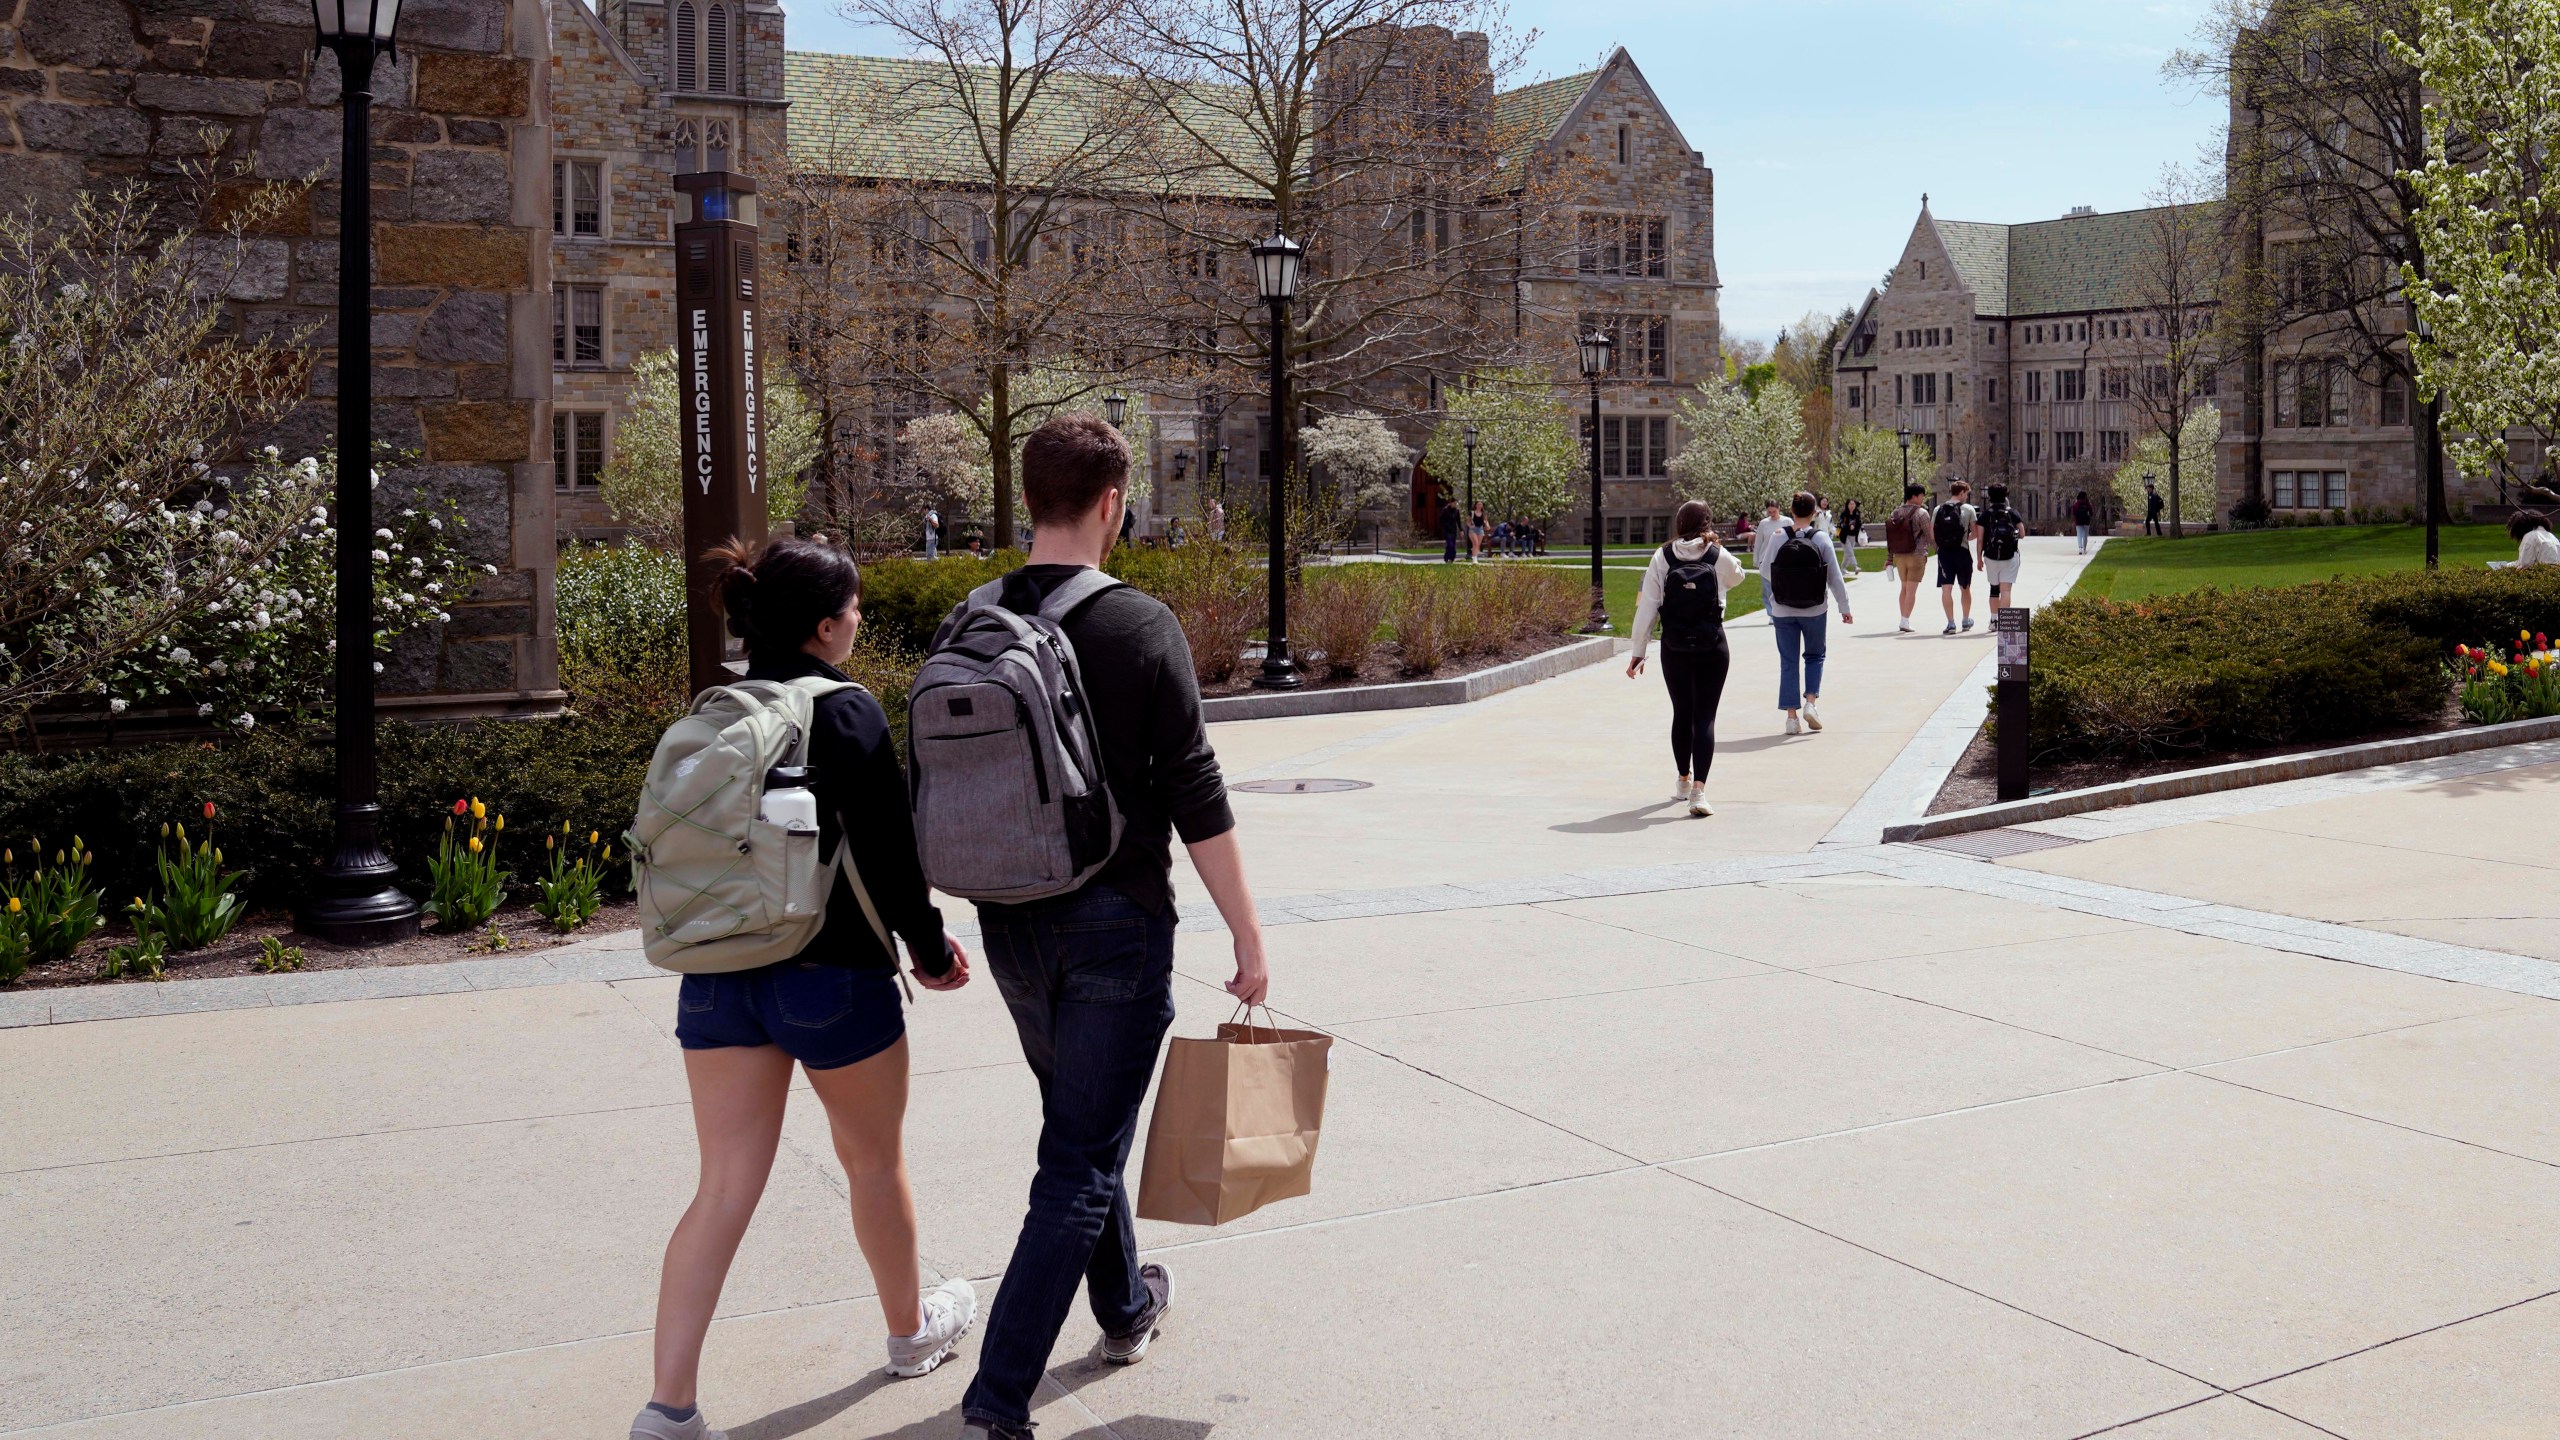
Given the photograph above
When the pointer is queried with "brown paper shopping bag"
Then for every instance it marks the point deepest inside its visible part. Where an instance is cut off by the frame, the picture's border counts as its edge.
(1235, 1125)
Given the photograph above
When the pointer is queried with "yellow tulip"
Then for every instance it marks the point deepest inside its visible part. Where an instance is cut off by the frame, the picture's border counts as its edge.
(57, 857)
(475, 844)
(550, 843)
(14, 907)
(217, 855)
(8, 857)
(591, 837)
(75, 842)
(479, 811)
(182, 830)
(502, 822)
(164, 829)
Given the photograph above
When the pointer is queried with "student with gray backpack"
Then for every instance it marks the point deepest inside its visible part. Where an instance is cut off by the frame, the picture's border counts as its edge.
(1684, 588)
(775, 862)
(1057, 747)
(1797, 563)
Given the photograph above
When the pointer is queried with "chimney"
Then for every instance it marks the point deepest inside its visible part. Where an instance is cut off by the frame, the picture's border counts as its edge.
(2079, 210)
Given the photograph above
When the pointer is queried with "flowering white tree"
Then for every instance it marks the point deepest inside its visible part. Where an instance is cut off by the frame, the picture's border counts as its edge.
(1528, 465)
(2194, 470)
(1744, 447)
(2488, 205)
(122, 395)
(951, 448)
(639, 484)
(1360, 455)
(1866, 466)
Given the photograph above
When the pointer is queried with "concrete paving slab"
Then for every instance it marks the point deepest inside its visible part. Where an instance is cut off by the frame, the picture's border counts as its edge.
(2225, 1417)
(174, 1084)
(2318, 877)
(2486, 1079)
(1693, 1069)
(1795, 924)
(2500, 815)
(2170, 998)
(2232, 1235)
(812, 1371)
(149, 1282)
(1361, 969)
(2490, 1378)
(1721, 1321)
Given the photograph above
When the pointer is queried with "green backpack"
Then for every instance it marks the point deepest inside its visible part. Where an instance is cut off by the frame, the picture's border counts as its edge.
(720, 887)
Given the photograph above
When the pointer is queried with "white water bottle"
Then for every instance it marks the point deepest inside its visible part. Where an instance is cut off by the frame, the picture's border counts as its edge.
(788, 800)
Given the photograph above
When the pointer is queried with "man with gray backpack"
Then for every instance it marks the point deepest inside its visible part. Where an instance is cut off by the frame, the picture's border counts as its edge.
(1056, 747)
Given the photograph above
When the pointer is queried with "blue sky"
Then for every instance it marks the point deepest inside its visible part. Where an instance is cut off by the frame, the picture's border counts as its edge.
(1824, 120)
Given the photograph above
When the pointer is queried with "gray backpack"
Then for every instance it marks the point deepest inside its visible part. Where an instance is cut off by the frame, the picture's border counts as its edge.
(1010, 803)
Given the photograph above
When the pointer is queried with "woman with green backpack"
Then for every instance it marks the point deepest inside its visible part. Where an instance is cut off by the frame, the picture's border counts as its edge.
(832, 1008)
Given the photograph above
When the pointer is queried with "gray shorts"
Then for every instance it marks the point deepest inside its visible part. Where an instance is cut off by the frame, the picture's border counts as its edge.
(2001, 575)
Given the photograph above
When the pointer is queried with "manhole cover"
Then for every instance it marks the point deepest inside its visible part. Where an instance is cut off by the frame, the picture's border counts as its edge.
(1299, 787)
(1999, 844)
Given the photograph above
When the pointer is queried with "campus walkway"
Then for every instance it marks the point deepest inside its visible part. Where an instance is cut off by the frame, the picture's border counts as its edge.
(2229, 1120)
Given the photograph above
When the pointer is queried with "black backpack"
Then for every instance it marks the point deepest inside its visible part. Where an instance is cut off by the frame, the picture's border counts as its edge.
(1949, 525)
(1796, 572)
(1999, 533)
(1692, 601)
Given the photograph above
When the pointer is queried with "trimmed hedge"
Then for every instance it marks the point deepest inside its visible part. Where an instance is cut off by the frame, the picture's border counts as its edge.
(2240, 669)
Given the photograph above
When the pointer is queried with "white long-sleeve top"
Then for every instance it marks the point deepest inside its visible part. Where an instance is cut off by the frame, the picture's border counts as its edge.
(1767, 547)
(2539, 547)
(1649, 594)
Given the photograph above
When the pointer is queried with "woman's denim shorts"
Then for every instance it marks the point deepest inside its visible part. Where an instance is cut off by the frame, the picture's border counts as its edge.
(823, 1016)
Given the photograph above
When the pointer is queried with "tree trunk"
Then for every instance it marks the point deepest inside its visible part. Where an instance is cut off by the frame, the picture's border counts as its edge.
(1000, 450)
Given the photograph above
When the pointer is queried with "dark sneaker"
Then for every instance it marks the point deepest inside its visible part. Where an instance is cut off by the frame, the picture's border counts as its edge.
(995, 1430)
(1131, 1348)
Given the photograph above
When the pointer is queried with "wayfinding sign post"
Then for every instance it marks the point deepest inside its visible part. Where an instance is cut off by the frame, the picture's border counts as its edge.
(721, 445)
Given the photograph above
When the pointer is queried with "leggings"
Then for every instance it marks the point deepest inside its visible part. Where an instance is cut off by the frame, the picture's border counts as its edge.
(1696, 681)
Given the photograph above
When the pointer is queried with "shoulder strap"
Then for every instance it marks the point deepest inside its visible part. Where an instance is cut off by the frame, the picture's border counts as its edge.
(1082, 586)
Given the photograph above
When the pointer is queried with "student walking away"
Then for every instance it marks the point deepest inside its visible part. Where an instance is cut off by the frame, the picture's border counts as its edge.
(1039, 683)
(1955, 528)
(1217, 521)
(1685, 585)
(828, 1001)
(2535, 544)
(2152, 505)
(1906, 546)
(2083, 515)
(932, 533)
(1448, 532)
(2000, 528)
(1797, 565)
(1853, 533)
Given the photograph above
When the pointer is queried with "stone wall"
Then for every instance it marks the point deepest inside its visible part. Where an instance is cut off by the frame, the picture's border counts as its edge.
(98, 92)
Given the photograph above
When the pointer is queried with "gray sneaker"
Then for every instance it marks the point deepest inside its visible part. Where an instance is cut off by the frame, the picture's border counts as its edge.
(650, 1425)
(949, 1310)
(1131, 1348)
(990, 1430)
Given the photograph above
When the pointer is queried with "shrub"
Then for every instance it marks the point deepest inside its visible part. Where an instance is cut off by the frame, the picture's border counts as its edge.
(1340, 612)
(621, 626)
(904, 599)
(1419, 615)
(2219, 669)
(1218, 594)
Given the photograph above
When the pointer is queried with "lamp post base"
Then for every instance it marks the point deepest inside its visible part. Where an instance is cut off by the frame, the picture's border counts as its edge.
(1598, 624)
(1279, 674)
(364, 918)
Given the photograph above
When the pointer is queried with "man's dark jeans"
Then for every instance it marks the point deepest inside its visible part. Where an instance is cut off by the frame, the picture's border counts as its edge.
(1089, 978)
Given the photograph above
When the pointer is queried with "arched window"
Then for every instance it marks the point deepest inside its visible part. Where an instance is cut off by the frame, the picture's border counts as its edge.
(688, 75)
(715, 50)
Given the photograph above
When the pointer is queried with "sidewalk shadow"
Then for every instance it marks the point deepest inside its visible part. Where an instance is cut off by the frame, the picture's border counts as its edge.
(810, 1414)
(1626, 822)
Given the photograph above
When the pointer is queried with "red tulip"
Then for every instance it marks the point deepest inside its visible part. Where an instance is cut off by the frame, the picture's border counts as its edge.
(460, 806)
(2462, 650)
(208, 809)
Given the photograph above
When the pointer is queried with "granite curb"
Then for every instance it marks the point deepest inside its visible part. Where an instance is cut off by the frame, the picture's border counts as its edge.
(2238, 775)
(1411, 694)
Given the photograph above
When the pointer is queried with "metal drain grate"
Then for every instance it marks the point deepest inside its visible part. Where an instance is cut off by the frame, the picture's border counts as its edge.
(1999, 844)
(1298, 787)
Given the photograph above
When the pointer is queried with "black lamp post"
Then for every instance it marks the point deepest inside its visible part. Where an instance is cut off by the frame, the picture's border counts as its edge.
(1275, 271)
(355, 901)
(1595, 348)
(2431, 447)
(1904, 436)
(1467, 437)
(1115, 407)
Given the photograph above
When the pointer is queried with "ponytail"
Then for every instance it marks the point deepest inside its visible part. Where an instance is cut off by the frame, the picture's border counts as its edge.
(775, 595)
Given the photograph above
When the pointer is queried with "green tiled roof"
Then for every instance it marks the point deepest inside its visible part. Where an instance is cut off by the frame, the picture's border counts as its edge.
(1525, 117)
(877, 116)
(2052, 267)
(848, 118)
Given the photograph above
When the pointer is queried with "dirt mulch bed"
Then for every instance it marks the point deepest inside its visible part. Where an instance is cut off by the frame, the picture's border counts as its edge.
(523, 930)
(1385, 667)
(1976, 779)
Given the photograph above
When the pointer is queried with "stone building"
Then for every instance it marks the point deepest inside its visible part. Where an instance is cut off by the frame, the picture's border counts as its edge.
(98, 92)
(524, 152)
(2011, 352)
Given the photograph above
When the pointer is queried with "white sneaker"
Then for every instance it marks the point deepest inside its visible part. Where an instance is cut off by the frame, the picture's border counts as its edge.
(651, 1425)
(1812, 714)
(950, 1308)
(1906, 625)
(1680, 790)
(1698, 805)
(1794, 726)
(1968, 622)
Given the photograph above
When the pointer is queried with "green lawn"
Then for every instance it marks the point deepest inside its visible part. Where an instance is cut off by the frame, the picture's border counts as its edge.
(2131, 568)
